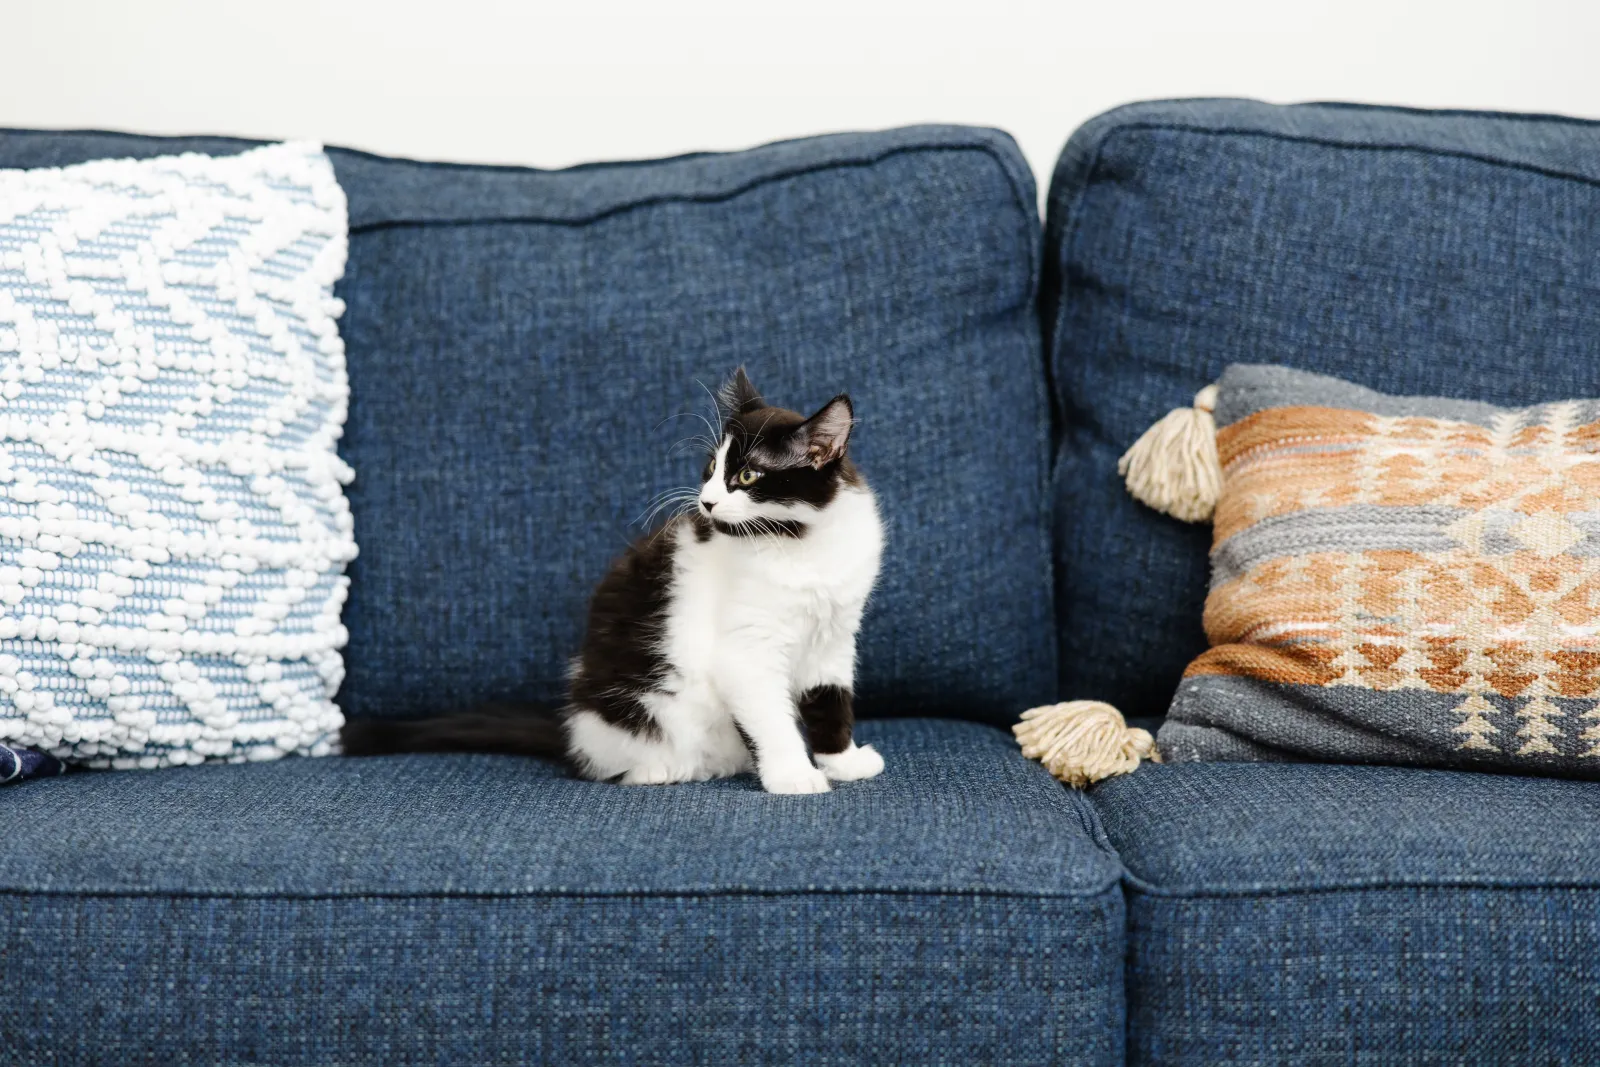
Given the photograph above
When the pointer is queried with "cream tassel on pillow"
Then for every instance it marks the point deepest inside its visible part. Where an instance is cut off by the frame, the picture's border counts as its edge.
(1083, 741)
(1173, 467)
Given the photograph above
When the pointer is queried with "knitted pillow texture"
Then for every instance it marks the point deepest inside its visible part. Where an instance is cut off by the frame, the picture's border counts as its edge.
(1399, 580)
(173, 530)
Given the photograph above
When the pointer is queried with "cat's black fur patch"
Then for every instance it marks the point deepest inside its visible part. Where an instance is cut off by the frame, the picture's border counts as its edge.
(829, 717)
(517, 730)
(756, 527)
(621, 654)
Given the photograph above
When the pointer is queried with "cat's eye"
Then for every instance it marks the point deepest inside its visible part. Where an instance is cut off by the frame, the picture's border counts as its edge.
(749, 477)
(711, 466)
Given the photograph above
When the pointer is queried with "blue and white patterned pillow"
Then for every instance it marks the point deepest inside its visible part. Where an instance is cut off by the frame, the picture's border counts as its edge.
(173, 529)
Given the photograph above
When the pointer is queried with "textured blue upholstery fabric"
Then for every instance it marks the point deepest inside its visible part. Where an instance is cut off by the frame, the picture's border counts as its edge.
(1442, 254)
(961, 908)
(526, 348)
(1333, 914)
(518, 339)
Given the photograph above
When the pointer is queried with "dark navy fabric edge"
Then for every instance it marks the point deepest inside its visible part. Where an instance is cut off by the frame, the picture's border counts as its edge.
(1135, 884)
(1354, 146)
(1445, 112)
(1223, 113)
(242, 142)
(992, 134)
(1111, 885)
(446, 164)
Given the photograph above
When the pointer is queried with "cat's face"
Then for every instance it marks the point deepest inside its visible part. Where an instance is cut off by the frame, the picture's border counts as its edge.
(774, 468)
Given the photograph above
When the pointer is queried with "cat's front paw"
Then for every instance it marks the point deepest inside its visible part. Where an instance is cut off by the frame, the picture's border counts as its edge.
(851, 765)
(654, 774)
(801, 779)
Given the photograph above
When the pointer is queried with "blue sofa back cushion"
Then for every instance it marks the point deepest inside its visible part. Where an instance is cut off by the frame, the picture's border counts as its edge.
(525, 347)
(1422, 253)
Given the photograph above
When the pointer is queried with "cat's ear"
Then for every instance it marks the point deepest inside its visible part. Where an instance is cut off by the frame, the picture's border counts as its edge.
(739, 396)
(824, 435)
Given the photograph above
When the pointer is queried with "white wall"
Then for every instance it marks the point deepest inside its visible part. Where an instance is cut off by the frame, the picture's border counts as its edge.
(558, 83)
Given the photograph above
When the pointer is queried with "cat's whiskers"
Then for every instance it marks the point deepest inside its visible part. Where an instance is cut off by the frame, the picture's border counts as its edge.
(665, 494)
(716, 404)
(769, 531)
(680, 498)
(680, 505)
(706, 442)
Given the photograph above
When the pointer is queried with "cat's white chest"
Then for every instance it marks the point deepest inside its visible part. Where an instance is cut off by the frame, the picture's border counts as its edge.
(823, 577)
(795, 597)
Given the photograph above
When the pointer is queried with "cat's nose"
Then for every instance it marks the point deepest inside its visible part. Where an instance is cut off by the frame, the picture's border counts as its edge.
(708, 505)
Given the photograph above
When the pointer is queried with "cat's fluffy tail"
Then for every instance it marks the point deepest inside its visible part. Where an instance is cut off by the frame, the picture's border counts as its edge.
(511, 729)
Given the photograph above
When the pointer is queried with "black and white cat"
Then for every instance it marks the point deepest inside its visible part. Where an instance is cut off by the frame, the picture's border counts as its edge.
(715, 637)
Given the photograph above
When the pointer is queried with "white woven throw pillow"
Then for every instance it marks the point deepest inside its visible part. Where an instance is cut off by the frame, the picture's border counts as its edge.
(173, 530)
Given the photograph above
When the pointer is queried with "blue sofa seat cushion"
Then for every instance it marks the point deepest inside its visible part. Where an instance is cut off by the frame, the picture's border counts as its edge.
(1416, 253)
(958, 908)
(1326, 913)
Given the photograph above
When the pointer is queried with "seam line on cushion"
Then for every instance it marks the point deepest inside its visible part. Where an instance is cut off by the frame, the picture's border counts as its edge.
(1027, 211)
(1159, 104)
(248, 142)
(508, 168)
(435, 164)
(502, 168)
(1530, 118)
(364, 154)
(1136, 884)
(1329, 142)
(1111, 885)
(1067, 240)
(682, 157)
(1089, 816)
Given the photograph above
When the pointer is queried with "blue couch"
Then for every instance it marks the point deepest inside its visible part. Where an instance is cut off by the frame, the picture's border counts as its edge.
(513, 337)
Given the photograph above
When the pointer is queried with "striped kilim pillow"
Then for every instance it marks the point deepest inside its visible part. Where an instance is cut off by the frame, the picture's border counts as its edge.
(1398, 579)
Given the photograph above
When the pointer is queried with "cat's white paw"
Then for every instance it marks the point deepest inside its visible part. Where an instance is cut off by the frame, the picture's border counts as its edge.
(656, 774)
(851, 765)
(800, 779)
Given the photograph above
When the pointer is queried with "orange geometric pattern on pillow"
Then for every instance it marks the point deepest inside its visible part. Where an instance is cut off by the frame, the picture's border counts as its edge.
(1417, 553)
